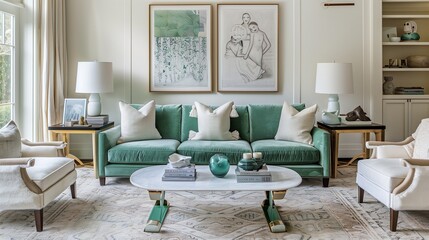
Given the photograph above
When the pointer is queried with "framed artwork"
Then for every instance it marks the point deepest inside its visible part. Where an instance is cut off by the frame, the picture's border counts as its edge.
(247, 47)
(180, 45)
(74, 108)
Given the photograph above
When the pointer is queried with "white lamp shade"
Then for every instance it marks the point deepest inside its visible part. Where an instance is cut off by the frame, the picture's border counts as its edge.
(334, 78)
(94, 77)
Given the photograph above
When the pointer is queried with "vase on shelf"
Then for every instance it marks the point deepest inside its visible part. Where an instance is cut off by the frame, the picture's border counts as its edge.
(388, 86)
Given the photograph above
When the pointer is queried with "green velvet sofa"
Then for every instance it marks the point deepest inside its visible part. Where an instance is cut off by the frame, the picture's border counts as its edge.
(257, 125)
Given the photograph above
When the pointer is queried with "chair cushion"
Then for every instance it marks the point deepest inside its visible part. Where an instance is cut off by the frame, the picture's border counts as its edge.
(202, 151)
(10, 141)
(286, 152)
(421, 147)
(387, 173)
(143, 152)
(47, 171)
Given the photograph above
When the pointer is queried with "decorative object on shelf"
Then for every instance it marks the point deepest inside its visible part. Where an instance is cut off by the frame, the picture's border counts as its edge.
(219, 165)
(388, 85)
(180, 48)
(247, 163)
(330, 118)
(395, 39)
(178, 161)
(389, 32)
(410, 29)
(356, 114)
(94, 78)
(418, 61)
(74, 108)
(410, 90)
(248, 47)
(334, 78)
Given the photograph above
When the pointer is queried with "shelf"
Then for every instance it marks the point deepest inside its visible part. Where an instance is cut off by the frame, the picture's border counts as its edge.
(408, 43)
(400, 96)
(405, 69)
(409, 16)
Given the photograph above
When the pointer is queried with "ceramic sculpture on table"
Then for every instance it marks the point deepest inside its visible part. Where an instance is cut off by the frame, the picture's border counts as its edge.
(330, 117)
(356, 114)
(410, 29)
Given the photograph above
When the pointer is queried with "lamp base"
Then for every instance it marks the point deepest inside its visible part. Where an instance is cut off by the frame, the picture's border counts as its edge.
(333, 104)
(94, 105)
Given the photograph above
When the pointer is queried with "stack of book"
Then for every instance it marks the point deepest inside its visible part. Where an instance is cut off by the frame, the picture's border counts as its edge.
(262, 175)
(188, 173)
(98, 120)
(410, 90)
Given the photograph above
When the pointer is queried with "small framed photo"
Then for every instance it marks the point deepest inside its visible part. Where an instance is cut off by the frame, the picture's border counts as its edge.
(247, 47)
(180, 48)
(389, 32)
(74, 108)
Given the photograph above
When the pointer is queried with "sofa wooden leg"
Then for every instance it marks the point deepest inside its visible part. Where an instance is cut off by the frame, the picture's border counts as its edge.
(361, 192)
(393, 220)
(38, 215)
(325, 182)
(73, 190)
(102, 181)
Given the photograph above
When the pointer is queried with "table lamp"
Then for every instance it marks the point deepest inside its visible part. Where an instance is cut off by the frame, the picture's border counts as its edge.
(334, 79)
(94, 78)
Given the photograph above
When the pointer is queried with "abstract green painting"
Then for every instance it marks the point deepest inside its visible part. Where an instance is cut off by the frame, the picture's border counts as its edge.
(180, 38)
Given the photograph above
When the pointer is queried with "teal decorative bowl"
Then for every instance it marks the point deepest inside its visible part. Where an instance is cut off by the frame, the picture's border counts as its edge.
(219, 165)
(248, 164)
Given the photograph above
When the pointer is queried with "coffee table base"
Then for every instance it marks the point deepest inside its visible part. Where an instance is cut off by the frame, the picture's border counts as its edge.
(158, 213)
(272, 215)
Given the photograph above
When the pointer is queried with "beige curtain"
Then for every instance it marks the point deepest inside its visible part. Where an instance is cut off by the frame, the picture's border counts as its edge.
(52, 64)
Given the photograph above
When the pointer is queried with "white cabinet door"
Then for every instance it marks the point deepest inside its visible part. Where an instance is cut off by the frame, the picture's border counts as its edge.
(395, 117)
(418, 109)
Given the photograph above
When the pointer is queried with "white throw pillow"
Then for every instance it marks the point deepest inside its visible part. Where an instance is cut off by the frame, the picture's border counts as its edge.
(296, 126)
(138, 124)
(10, 141)
(421, 146)
(213, 124)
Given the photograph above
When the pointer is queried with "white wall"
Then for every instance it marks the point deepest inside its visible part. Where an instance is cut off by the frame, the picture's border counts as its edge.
(117, 31)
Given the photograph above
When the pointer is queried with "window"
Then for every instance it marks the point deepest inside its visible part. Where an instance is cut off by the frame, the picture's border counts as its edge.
(7, 67)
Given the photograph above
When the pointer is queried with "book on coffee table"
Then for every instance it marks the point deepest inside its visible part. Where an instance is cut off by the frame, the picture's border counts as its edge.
(262, 175)
(187, 173)
(179, 178)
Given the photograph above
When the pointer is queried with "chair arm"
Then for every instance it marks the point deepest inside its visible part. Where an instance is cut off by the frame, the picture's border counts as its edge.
(42, 149)
(321, 141)
(373, 144)
(22, 162)
(106, 140)
(411, 193)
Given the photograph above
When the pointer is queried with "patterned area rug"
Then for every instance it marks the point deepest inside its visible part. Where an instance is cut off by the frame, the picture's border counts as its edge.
(120, 210)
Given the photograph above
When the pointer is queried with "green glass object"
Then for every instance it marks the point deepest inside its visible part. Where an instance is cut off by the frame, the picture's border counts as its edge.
(219, 165)
(248, 164)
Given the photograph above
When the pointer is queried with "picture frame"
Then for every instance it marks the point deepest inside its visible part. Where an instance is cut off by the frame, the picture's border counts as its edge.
(247, 59)
(180, 40)
(74, 108)
(389, 32)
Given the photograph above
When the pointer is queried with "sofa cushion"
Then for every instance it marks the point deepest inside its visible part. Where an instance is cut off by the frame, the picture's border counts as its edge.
(213, 124)
(48, 170)
(387, 173)
(143, 152)
(264, 120)
(10, 141)
(138, 124)
(201, 151)
(296, 126)
(285, 152)
(240, 124)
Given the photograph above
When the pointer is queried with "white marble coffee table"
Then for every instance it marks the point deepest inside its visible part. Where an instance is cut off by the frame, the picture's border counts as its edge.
(150, 178)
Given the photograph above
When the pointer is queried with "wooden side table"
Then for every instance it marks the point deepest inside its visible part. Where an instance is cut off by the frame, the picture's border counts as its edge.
(65, 134)
(336, 129)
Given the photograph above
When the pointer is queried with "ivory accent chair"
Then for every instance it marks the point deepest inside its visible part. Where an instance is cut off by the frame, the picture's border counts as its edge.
(397, 174)
(36, 177)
